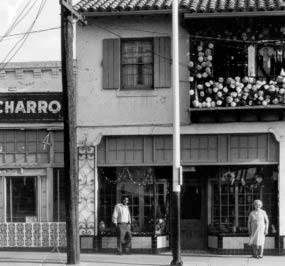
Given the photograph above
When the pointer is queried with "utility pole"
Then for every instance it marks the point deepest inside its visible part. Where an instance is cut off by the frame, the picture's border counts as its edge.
(176, 168)
(70, 138)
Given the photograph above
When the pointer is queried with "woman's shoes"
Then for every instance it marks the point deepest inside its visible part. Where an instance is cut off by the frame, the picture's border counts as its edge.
(259, 257)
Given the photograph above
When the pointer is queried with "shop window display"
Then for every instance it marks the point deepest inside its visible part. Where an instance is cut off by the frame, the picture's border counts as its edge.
(232, 67)
(59, 214)
(21, 197)
(29, 146)
(233, 193)
(147, 189)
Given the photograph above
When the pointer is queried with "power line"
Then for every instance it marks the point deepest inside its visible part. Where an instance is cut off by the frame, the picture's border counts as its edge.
(21, 42)
(35, 31)
(19, 18)
(13, 24)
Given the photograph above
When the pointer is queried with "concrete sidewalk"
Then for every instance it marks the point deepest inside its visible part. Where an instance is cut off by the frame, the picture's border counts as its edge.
(59, 259)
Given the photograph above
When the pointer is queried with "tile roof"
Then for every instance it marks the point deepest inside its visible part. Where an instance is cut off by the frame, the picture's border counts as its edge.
(195, 6)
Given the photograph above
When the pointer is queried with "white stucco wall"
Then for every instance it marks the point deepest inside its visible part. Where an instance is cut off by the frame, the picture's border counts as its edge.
(98, 107)
(31, 77)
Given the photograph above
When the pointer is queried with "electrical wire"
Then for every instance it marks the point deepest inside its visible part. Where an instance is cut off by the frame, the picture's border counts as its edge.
(19, 18)
(21, 42)
(35, 31)
(13, 24)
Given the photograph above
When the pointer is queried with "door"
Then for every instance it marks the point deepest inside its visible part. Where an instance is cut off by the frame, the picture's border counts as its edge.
(193, 206)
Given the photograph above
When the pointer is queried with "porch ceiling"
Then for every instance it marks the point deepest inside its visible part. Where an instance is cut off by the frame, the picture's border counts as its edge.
(192, 6)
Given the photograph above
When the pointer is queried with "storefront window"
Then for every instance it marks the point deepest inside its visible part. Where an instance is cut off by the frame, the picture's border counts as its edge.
(21, 198)
(147, 189)
(233, 193)
(24, 146)
(59, 214)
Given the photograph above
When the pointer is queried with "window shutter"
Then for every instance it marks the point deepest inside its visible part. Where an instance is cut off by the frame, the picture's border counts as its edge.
(111, 64)
(162, 62)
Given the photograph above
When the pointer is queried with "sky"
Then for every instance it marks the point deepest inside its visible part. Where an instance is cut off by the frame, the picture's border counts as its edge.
(42, 46)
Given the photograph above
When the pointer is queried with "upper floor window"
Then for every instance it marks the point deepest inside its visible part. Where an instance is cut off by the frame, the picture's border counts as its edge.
(137, 64)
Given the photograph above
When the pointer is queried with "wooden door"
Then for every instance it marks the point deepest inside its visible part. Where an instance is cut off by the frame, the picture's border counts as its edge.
(193, 207)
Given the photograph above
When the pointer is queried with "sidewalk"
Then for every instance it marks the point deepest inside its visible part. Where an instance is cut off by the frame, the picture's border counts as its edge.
(59, 259)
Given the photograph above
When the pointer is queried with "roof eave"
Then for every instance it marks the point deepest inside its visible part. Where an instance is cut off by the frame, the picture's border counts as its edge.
(128, 13)
(188, 15)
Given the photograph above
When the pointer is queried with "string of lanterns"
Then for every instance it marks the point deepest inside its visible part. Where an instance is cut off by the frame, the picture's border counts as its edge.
(140, 176)
(206, 91)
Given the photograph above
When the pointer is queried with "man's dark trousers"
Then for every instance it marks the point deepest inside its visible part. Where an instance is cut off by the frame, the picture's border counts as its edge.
(124, 237)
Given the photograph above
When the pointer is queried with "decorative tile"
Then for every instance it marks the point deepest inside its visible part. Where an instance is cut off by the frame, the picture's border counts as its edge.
(3, 235)
(86, 155)
(53, 234)
(45, 234)
(29, 235)
(62, 234)
(20, 235)
(11, 235)
(37, 234)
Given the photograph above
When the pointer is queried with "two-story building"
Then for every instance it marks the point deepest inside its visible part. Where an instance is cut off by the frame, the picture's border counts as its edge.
(232, 87)
(32, 198)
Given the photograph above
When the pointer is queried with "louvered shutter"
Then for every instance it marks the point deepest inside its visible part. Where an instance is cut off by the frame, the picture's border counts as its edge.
(162, 62)
(111, 64)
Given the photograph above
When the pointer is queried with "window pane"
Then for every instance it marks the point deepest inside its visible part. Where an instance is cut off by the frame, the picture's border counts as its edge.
(10, 147)
(137, 184)
(234, 192)
(59, 214)
(21, 199)
(137, 64)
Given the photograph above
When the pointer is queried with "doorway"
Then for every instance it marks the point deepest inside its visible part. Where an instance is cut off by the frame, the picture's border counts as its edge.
(193, 213)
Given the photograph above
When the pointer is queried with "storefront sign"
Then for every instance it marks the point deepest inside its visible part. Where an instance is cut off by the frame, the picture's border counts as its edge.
(31, 107)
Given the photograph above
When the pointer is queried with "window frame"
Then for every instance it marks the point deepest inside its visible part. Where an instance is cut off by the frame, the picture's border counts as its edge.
(7, 178)
(233, 217)
(136, 88)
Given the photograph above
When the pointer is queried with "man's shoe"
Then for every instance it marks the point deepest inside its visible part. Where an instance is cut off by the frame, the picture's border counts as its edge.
(128, 251)
(119, 253)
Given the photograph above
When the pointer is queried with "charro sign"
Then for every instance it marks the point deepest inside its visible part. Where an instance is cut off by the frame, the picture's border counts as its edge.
(31, 107)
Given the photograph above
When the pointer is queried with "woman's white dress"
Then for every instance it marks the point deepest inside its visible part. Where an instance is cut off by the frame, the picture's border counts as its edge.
(257, 223)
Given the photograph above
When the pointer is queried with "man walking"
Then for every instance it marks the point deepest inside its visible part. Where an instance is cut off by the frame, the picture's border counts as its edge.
(122, 220)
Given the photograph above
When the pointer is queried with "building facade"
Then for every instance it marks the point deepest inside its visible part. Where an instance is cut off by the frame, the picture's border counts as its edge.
(231, 57)
(31, 151)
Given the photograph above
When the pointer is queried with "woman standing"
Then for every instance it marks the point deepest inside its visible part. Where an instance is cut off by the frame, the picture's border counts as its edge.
(258, 228)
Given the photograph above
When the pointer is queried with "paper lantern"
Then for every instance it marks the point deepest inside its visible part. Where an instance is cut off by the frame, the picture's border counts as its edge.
(191, 92)
(191, 64)
(275, 101)
(211, 45)
(219, 102)
(195, 103)
(215, 89)
(200, 87)
(225, 90)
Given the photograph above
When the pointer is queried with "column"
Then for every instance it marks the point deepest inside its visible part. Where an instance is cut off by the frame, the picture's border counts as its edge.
(86, 190)
(281, 186)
